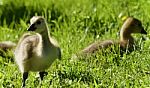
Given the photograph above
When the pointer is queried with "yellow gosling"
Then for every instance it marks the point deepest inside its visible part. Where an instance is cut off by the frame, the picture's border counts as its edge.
(36, 51)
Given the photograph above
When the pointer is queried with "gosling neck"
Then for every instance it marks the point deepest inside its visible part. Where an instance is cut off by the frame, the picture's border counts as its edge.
(125, 35)
(45, 35)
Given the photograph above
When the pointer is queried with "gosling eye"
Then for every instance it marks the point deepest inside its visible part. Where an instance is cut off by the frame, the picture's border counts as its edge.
(38, 22)
(139, 24)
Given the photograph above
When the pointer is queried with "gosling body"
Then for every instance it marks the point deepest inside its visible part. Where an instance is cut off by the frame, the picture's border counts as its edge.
(35, 53)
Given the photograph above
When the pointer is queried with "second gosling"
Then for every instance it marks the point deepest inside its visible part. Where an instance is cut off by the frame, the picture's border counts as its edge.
(36, 52)
(130, 26)
(7, 45)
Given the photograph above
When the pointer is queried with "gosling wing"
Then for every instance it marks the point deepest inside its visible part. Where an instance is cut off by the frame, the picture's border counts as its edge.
(27, 46)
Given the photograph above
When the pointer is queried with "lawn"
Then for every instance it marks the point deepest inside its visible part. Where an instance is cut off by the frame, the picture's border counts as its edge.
(75, 24)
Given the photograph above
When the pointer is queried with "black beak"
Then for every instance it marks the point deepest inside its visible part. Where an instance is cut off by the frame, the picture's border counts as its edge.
(32, 27)
(143, 31)
(59, 54)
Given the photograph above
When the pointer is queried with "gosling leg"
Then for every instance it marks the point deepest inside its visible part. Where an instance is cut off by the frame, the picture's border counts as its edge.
(42, 74)
(25, 76)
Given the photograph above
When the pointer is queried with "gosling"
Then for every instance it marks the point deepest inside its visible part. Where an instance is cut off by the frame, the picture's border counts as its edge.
(130, 26)
(36, 51)
(7, 45)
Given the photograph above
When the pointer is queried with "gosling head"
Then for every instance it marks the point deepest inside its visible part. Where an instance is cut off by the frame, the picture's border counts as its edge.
(38, 24)
(134, 26)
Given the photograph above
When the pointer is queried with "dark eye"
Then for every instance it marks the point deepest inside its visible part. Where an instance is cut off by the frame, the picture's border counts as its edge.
(140, 24)
(38, 22)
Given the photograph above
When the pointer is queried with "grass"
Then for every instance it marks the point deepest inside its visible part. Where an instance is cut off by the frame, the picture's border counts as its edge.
(75, 24)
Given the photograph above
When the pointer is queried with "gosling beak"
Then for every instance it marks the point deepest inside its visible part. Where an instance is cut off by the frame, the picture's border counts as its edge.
(143, 31)
(59, 54)
(31, 27)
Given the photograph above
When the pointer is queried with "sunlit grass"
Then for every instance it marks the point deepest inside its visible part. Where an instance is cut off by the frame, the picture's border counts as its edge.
(75, 24)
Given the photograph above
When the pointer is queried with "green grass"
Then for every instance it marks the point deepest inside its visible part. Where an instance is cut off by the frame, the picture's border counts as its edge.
(75, 24)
